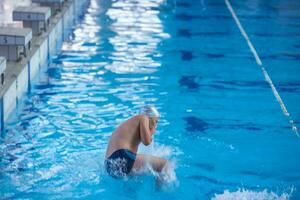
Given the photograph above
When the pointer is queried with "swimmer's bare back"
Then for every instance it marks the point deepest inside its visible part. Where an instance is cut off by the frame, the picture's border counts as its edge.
(131, 133)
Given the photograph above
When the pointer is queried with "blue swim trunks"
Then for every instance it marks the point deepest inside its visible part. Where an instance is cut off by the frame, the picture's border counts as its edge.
(120, 163)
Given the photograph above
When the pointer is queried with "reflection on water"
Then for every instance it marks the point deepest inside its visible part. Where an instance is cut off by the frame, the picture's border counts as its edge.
(138, 31)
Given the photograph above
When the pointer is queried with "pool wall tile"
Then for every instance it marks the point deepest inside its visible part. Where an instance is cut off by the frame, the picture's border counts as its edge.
(34, 64)
(52, 41)
(43, 52)
(10, 99)
(22, 82)
(59, 35)
(68, 21)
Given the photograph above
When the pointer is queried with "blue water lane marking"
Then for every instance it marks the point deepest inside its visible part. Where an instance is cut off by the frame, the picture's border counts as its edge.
(264, 71)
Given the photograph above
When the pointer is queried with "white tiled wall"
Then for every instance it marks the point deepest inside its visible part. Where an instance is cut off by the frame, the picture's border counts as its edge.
(52, 42)
(10, 100)
(22, 82)
(34, 64)
(59, 35)
(43, 52)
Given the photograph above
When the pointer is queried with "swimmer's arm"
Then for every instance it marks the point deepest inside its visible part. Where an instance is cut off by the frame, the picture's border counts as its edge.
(145, 132)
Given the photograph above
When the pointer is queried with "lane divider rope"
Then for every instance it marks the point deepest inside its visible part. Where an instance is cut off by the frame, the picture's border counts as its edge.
(264, 71)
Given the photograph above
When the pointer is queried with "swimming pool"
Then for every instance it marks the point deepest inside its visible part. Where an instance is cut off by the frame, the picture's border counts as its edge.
(221, 122)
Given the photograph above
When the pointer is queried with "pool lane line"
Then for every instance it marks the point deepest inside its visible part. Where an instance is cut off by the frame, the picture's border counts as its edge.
(264, 71)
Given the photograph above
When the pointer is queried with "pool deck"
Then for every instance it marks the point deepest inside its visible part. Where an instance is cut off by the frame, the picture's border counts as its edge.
(19, 75)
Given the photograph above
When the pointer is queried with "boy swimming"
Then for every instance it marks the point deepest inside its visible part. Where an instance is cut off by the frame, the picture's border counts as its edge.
(121, 156)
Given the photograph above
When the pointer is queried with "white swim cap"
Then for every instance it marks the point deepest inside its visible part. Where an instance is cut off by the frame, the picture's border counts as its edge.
(149, 111)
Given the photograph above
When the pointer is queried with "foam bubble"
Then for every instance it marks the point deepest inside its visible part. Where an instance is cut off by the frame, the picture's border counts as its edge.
(242, 194)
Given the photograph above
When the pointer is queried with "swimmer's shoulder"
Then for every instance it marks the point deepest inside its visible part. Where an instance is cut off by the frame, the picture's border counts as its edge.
(136, 118)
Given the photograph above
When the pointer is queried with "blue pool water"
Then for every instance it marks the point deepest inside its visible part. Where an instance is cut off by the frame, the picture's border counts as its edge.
(221, 123)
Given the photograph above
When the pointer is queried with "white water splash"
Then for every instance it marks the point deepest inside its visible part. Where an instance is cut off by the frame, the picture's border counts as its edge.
(167, 178)
(243, 194)
(168, 175)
